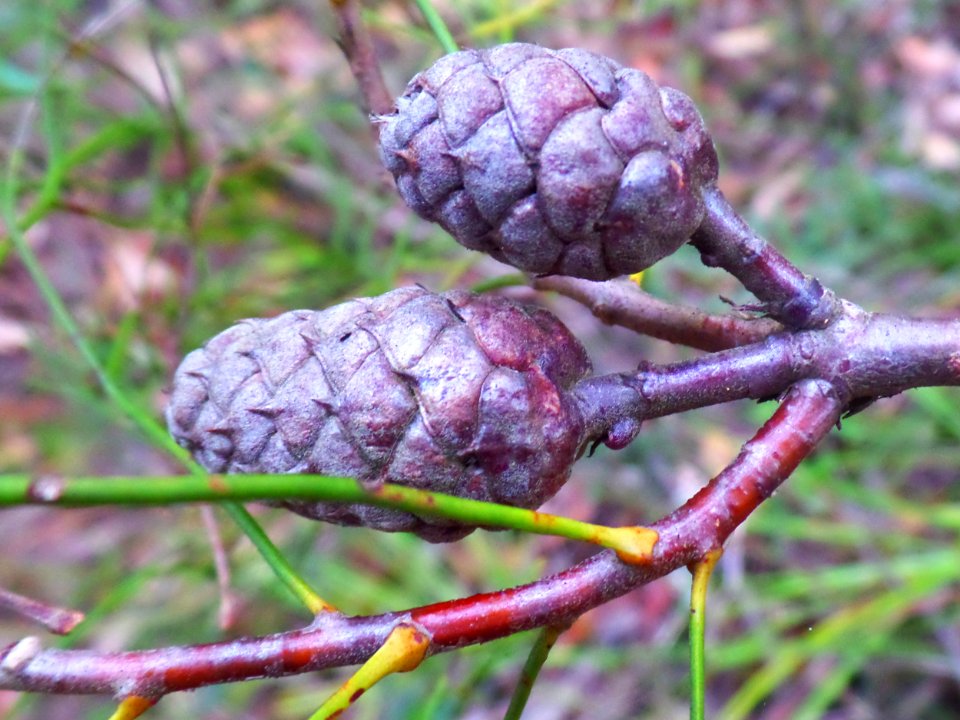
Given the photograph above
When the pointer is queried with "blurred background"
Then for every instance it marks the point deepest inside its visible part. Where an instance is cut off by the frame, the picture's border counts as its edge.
(177, 166)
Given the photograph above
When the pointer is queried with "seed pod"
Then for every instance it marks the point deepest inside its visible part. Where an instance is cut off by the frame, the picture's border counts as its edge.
(457, 393)
(556, 162)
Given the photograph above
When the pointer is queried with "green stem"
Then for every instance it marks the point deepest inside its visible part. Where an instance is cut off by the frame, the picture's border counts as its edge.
(531, 669)
(438, 26)
(633, 544)
(500, 281)
(275, 559)
(702, 571)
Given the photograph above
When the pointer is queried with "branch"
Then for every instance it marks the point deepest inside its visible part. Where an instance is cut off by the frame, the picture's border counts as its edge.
(357, 45)
(621, 302)
(867, 355)
(631, 543)
(703, 524)
(55, 619)
(725, 240)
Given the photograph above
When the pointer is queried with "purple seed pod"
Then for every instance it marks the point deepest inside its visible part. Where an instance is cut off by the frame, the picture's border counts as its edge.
(455, 392)
(554, 161)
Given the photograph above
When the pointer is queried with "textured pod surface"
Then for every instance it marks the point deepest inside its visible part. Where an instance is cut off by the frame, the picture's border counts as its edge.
(457, 393)
(556, 162)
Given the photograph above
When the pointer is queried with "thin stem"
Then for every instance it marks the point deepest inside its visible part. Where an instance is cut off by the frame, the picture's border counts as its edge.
(521, 14)
(702, 570)
(438, 26)
(725, 240)
(357, 46)
(404, 649)
(546, 639)
(633, 544)
(281, 568)
(57, 620)
(276, 561)
(621, 302)
(498, 282)
(221, 564)
(807, 414)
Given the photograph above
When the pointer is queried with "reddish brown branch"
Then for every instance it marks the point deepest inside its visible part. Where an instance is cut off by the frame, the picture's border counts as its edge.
(621, 302)
(228, 599)
(357, 45)
(702, 524)
(55, 619)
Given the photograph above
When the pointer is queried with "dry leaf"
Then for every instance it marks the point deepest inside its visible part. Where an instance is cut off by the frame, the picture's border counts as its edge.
(13, 336)
(742, 42)
(940, 151)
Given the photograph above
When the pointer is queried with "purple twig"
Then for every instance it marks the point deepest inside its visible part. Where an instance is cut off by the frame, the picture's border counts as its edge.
(621, 302)
(55, 619)
(726, 241)
(863, 354)
(357, 45)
